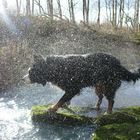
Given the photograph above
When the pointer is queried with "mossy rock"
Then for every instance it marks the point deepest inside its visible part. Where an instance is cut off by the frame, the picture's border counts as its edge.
(121, 125)
(39, 114)
(124, 131)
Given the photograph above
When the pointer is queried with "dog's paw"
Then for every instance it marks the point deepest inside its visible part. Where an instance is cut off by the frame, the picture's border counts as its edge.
(97, 108)
(107, 113)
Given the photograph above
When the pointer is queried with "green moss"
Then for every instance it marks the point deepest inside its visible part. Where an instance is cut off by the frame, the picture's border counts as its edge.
(117, 117)
(133, 111)
(124, 131)
(40, 114)
(121, 125)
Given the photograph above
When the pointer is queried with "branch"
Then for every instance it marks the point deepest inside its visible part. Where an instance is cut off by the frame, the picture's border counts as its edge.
(37, 3)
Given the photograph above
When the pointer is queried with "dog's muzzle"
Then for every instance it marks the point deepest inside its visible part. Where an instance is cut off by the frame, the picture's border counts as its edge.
(26, 79)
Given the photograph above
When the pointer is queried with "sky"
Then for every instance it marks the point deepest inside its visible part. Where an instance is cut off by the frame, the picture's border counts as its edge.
(64, 3)
(78, 8)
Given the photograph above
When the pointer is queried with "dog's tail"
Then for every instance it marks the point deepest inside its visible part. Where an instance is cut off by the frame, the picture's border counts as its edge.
(127, 75)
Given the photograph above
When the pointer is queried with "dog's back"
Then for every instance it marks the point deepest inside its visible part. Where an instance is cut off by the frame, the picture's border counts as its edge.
(80, 71)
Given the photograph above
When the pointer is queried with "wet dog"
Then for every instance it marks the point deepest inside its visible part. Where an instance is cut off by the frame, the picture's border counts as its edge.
(73, 72)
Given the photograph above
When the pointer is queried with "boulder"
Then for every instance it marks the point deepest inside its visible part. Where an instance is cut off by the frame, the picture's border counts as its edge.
(65, 116)
(121, 125)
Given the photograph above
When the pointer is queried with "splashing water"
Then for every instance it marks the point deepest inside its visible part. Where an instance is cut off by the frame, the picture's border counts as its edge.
(15, 105)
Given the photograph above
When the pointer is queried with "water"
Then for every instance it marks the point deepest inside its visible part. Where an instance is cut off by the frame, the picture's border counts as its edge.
(15, 106)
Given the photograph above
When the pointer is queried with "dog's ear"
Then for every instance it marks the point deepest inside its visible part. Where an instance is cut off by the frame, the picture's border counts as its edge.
(38, 58)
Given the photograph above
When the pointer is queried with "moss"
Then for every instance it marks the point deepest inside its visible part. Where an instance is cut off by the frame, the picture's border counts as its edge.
(40, 114)
(125, 131)
(121, 125)
(133, 111)
(117, 117)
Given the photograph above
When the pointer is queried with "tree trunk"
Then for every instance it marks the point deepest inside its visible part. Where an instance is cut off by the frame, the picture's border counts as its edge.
(59, 9)
(121, 13)
(50, 8)
(33, 5)
(28, 7)
(109, 8)
(136, 16)
(98, 19)
(86, 11)
(114, 13)
(84, 8)
(71, 10)
(39, 3)
(18, 7)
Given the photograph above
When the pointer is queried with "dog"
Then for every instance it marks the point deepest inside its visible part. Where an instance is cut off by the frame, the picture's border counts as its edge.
(71, 73)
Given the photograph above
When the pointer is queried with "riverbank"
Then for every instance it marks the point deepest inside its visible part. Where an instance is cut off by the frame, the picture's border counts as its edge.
(40, 35)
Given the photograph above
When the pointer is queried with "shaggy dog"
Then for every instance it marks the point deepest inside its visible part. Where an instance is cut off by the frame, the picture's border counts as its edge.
(73, 72)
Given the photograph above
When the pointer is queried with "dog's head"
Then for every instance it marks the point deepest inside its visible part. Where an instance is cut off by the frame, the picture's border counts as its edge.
(36, 73)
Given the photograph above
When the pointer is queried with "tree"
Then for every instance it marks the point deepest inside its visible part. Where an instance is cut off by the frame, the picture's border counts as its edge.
(33, 5)
(86, 11)
(28, 7)
(136, 15)
(108, 8)
(50, 8)
(99, 9)
(59, 9)
(71, 10)
(18, 6)
(121, 12)
(39, 3)
(114, 13)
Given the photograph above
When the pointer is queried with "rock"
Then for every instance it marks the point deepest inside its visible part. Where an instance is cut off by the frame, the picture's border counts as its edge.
(121, 125)
(40, 114)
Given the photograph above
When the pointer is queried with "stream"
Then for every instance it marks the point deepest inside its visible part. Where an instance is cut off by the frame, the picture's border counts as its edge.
(15, 108)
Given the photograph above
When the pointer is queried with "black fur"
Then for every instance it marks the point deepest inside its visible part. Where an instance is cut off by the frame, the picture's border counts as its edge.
(72, 73)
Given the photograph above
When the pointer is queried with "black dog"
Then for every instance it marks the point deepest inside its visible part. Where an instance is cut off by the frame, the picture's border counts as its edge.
(72, 73)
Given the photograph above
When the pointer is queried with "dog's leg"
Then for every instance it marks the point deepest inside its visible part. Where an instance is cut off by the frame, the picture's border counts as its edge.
(110, 94)
(110, 98)
(99, 90)
(99, 102)
(64, 100)
(110, 106)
